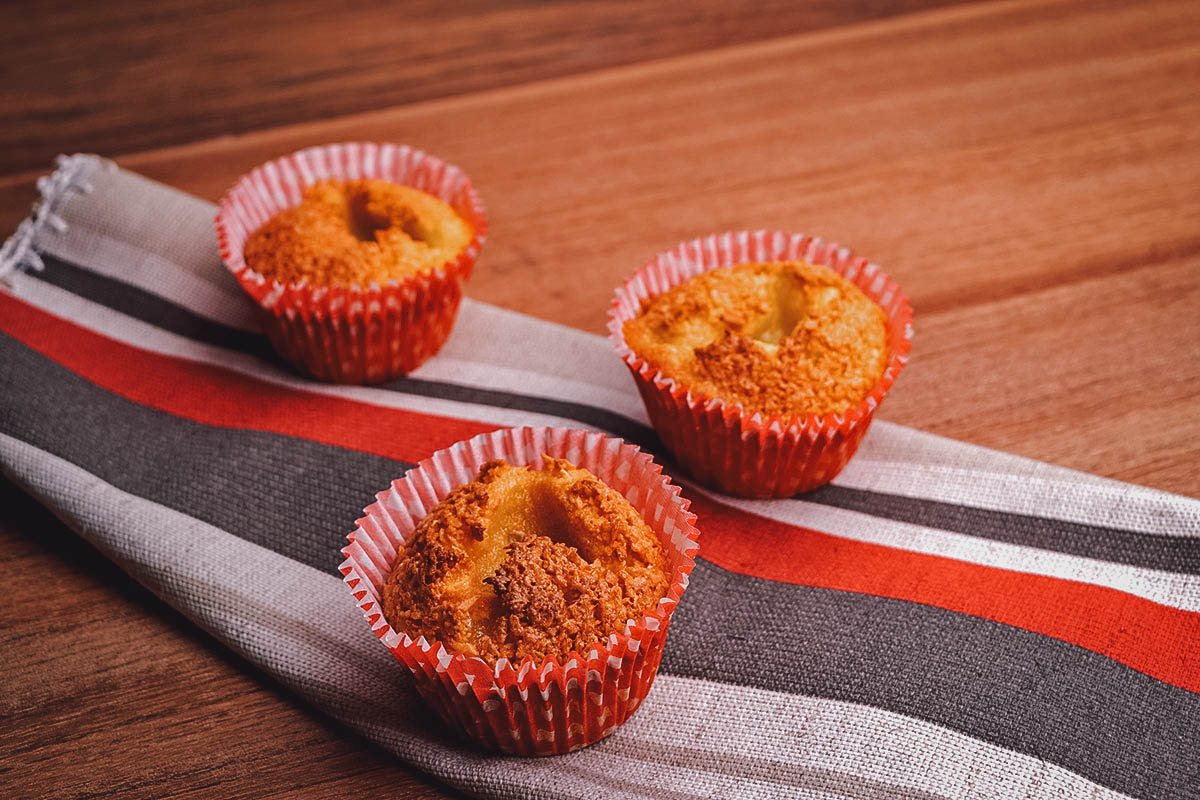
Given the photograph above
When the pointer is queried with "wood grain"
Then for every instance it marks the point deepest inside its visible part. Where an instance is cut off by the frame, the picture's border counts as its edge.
(117, 695)
(1029, 172)
(1037, 164)
(145, 73)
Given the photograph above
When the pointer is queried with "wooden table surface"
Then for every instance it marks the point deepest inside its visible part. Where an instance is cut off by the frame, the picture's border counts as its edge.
(1029, 172)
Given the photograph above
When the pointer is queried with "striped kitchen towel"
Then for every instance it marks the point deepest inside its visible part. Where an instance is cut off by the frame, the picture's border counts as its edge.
(943, 621)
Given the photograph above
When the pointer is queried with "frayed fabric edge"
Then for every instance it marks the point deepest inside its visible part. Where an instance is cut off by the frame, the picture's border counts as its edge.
(19, 251)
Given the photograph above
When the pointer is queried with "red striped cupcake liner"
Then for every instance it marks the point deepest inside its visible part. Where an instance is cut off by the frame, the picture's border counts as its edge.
(722, 445)
(351, 334)
(527, 708)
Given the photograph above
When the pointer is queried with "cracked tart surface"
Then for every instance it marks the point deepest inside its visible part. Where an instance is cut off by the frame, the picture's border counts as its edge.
(526, 563)
(783, 338)
(355, 233)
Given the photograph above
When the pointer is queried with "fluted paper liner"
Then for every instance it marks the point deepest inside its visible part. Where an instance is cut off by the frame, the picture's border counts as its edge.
(721, 445)
(351, 334)
(529, 708)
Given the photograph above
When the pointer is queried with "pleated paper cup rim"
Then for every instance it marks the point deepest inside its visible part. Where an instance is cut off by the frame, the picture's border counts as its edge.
(689, 259)
(279, 184)
(397, 511)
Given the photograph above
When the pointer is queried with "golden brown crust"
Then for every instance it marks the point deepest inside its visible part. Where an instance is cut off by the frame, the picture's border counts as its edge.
(782, 338)
(355, 233)
(550, 601)
(523, 562)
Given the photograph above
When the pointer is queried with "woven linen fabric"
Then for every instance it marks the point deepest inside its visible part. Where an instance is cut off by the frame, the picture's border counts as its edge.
(943, 621)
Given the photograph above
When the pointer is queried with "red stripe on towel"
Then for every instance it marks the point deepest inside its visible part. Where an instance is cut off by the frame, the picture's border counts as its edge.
(1155, 639)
